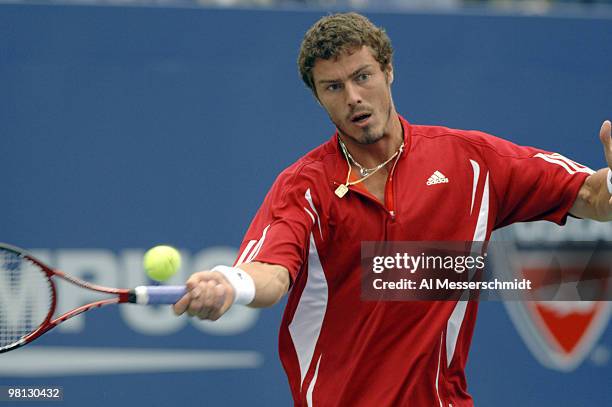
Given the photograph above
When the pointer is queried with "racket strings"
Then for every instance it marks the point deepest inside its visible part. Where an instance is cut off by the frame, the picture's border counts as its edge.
(25, 297)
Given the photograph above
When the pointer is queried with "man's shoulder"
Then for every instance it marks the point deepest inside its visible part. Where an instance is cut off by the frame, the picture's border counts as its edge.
(437, 136)
(318, 161)
(308, 175)
(441, 132)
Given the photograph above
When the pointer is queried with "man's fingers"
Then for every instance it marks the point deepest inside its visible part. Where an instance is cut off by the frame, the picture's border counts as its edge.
(198, 294)
(181, 305)
(605, 134)
(196, 278)
(209, 294)
(206, 297)
(220, 306)
(606, 128)
(193, 292)
(221, 292)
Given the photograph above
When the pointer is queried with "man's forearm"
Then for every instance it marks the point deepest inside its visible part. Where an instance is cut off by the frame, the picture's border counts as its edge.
(271, 283)
(593, 200)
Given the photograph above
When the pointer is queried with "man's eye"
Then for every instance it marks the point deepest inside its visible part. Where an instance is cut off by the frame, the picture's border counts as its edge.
(363, 77)
(333, 87)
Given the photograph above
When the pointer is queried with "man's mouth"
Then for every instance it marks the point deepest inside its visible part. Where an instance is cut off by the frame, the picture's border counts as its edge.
(360, 118)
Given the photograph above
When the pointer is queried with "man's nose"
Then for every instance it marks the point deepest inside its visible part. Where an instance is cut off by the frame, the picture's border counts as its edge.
(353, 97)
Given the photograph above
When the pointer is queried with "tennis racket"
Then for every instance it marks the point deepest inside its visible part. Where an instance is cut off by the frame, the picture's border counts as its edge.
(28, 297)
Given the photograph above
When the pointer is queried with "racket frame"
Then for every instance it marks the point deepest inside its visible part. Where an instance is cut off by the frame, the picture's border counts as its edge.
(122, 295)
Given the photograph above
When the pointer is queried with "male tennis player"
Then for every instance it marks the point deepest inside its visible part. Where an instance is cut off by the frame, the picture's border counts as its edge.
(381, 178)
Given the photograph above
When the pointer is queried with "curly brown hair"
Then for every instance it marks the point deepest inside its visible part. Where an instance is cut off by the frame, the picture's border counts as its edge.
(335, 34)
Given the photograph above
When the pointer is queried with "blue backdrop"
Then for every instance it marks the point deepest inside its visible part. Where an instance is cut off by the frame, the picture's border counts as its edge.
(122, 128)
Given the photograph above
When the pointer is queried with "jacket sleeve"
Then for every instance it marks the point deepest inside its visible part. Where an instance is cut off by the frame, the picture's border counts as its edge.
(279, 232)
(530, 184)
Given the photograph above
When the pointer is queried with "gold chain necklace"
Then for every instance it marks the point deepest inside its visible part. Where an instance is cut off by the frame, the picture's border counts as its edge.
(363, 171)
(343, 188)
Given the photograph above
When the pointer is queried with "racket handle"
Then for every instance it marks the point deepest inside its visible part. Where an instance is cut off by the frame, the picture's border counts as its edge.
(153, 294)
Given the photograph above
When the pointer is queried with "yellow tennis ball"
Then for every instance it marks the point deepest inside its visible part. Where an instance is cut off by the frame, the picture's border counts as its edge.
(161, 262)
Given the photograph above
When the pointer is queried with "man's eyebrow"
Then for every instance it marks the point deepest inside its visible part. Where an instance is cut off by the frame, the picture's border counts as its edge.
(356, 72)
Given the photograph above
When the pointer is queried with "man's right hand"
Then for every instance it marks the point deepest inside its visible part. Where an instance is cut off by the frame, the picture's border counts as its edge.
(209, 296)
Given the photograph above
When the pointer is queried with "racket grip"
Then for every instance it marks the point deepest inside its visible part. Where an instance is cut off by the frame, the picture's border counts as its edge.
(153, 294)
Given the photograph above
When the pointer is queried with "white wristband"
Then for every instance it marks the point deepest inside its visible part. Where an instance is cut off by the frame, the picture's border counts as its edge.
(609, 181)
(244, 286)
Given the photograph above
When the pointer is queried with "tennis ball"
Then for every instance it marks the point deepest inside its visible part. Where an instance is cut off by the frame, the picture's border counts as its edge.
(161, 262)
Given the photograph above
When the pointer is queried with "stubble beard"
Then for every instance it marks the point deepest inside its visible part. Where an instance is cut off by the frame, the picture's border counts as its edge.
(368, 136)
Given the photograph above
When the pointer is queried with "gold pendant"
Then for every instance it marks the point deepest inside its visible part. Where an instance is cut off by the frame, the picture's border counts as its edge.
(341, 190)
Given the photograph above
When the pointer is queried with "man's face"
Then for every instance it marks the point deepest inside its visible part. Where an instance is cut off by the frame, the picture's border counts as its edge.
(356, 94)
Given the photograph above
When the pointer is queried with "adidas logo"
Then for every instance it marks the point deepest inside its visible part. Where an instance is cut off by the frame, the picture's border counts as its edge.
(437, 178)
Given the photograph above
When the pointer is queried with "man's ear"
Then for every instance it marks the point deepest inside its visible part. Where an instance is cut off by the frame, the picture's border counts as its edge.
(389, 74)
